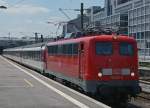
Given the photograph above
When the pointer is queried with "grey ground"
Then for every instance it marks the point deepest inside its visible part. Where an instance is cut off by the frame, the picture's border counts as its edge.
(19, 90)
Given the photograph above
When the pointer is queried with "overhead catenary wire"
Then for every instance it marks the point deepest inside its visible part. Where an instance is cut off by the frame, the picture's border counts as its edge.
(12, 5)
(20, 1)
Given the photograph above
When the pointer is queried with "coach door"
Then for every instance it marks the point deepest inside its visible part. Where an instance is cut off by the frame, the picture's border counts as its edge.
(81, 60)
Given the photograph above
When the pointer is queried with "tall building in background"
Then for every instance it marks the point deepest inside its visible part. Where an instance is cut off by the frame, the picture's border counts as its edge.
(139, 26)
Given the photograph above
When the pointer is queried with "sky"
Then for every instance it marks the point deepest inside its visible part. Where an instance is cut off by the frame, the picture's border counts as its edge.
(25, 17)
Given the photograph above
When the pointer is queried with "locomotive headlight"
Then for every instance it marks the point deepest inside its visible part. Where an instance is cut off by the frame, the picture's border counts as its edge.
(100, 74)
(132, 74)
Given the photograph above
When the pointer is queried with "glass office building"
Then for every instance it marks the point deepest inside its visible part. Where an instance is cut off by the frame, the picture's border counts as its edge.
(139, 28)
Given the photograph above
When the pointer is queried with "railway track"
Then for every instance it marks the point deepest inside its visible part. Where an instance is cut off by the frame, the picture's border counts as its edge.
(143, 99)
(144, 72)
(145, 86)
(145, 90)
(145, 96)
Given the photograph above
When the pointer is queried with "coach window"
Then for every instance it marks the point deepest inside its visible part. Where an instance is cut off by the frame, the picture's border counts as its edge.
(25, 53)
(104, 48)
(29, 54)
(75, 49)
(69, 49)
(52, 50)
(64, 47)
(38, 56)
(49, 50)
(24, 56)
(35, 56)
(55, 49)
(59, 50)
(32, 55)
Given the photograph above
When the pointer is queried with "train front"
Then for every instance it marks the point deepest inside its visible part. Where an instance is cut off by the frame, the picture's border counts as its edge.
(113, 67)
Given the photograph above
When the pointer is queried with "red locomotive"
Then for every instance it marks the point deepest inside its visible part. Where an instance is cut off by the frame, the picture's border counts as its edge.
(105, 65)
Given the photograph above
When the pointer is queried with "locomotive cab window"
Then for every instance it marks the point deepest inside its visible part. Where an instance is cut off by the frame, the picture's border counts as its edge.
(104, 48)
(126, 49)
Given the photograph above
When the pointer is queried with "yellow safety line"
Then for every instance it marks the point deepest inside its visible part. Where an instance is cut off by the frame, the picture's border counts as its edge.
(29, 82)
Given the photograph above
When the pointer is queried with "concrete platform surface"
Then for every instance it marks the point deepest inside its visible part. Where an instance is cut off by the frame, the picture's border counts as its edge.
(23, 88)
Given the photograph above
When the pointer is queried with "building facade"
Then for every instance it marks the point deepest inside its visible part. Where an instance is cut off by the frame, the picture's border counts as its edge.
(139, 26)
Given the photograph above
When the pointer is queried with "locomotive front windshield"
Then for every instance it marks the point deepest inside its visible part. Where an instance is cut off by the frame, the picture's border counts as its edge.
(104, 48)
(126, 49)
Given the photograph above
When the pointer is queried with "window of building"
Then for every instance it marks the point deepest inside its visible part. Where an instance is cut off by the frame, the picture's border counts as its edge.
(147, 1)
(130, 14)
(122, 1)
(139, 12)
(139, 20)
(138, 28)
(134, 34)
(143, 27)
(135, 13)
(142, 35)
(147, 9)
(138, 3)
(135, 21)
(138, 35)
(134, 28)
(147, 44)
(131, 22)
(123, 24)
(143, 20)
(142, 11)
(147, 26)
(147, 18)
(147, 35)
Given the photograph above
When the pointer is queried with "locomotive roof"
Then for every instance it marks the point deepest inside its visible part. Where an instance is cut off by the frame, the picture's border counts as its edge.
(74, 40)
(98, 37)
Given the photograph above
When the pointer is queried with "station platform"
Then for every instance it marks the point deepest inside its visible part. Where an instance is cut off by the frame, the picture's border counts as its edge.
(21, 87)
